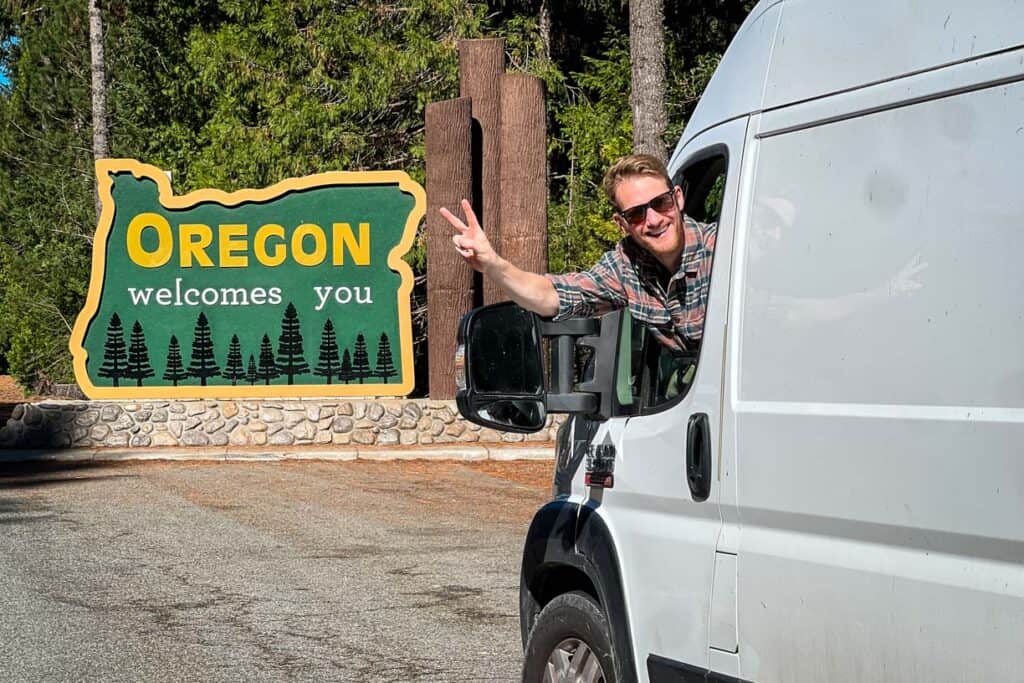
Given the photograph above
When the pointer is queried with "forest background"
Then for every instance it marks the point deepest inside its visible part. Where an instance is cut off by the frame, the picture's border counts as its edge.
(238, 94)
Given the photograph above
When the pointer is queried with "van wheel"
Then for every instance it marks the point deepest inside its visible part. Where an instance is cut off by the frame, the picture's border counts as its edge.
(569, 642)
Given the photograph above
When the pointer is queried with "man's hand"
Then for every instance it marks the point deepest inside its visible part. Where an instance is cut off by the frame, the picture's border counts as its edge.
(470, 240)
(532, 291)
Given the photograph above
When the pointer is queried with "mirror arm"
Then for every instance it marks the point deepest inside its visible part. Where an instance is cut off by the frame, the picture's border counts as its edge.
(572, 403)
(595, 396)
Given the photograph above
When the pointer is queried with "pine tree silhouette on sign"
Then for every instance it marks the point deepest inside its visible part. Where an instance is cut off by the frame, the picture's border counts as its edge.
(385, 363)
(267, 368)
(360, 360)
(138, 356)
(115, 360)
(290, 360)
(345, 374)
(234, 370)
(203, 364)
(250, 373)
(328, 365)
(175, 370)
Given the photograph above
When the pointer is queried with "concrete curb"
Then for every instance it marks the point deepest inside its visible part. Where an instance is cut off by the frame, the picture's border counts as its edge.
(499, 452)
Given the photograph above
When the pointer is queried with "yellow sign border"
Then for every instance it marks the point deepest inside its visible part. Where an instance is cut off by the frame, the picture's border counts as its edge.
(105, 168)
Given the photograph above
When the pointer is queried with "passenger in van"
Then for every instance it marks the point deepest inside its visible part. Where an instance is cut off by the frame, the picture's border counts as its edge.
(660, 270)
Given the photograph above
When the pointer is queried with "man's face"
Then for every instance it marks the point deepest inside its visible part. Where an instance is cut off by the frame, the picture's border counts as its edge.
(658, 231)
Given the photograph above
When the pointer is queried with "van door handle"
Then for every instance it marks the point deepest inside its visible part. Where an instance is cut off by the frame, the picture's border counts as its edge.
(698, 456)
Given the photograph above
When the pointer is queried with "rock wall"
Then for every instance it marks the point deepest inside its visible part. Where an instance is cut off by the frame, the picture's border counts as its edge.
(197, 423)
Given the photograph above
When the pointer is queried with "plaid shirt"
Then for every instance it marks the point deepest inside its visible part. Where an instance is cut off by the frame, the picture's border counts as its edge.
(628, 276)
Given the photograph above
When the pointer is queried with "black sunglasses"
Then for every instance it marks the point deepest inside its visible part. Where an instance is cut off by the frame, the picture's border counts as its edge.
(635, 215)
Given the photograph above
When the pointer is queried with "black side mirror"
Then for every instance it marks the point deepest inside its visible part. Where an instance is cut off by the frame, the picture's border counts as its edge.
(503, 384)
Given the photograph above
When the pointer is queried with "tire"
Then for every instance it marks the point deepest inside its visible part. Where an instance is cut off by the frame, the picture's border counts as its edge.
(570, 642)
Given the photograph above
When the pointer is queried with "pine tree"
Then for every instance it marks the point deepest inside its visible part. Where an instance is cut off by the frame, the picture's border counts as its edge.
(385, 363)
(204, 364)
(46, 186)
(328, 365)
(345, 373)
(267, 368)
(175, 370)
(290, 360)
(250, 374)
(234, 370)
(360, 360)
(114, 357)
(138, 356)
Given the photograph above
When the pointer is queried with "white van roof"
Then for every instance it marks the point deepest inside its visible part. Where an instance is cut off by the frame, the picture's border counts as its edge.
(794, 50)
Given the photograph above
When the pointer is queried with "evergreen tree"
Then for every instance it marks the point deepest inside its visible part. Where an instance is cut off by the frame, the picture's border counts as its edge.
(175, 370)
(360, 360)
(290, 360)
(385, 363)
(233, 370)
(115, 360)
(328, 365)
(345, 373)
(267, 368)
(47, 215)
(138, 356)
(204, 363)
(250, 373)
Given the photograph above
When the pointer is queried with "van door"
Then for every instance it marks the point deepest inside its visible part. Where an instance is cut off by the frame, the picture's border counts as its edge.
(878, 389)
(665, 527)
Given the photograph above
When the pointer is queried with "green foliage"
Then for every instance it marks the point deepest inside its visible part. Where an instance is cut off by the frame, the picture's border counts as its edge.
(596, 127)
(281, 88)
(46, 185)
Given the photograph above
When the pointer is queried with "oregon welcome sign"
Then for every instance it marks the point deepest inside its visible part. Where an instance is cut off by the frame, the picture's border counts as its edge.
(298, 289)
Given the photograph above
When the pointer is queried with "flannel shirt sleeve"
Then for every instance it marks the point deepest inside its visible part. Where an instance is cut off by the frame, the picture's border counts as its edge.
(709, 233)
(591, 292)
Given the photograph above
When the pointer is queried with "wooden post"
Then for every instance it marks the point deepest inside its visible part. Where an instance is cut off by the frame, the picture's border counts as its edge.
(524, 187)
(481, 67)
(449, 277)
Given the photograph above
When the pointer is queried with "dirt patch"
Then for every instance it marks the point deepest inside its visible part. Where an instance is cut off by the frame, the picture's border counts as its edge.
(11, 391)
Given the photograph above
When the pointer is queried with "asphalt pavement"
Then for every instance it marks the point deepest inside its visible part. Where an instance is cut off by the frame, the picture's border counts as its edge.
(264, 571)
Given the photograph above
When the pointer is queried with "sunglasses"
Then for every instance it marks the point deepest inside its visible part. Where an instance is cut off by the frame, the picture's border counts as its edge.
(635, 215)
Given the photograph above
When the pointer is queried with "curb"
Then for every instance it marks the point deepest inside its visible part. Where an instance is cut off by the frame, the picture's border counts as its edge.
(234, 454)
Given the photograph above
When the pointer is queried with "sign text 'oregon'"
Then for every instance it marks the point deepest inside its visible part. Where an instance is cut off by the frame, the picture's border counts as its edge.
(298, 289)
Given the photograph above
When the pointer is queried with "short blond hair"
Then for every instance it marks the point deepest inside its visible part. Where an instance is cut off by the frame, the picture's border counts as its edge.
(630, 166)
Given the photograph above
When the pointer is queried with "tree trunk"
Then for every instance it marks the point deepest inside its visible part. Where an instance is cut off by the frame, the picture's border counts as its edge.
(647, 56)
(100, 147)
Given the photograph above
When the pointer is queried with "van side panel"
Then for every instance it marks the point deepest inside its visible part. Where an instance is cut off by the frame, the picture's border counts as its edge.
(878, 396)
(825, 46)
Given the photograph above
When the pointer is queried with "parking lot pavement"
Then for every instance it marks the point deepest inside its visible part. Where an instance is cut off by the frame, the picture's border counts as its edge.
(347, 571)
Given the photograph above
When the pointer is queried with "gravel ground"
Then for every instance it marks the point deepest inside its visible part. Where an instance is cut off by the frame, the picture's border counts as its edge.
(335, 571)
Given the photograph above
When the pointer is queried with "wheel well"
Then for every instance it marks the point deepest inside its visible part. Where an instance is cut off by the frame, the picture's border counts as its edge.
(548, 583)
(559, 579)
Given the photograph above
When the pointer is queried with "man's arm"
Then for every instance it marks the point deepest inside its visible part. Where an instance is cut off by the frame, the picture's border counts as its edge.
(532, 291)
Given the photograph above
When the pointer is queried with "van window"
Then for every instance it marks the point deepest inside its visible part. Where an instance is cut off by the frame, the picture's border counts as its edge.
(658, 376)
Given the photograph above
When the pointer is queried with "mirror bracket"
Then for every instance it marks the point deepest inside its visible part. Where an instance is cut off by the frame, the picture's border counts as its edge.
(593, 397)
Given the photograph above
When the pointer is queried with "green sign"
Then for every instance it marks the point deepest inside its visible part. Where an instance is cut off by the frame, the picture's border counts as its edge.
(298, 289)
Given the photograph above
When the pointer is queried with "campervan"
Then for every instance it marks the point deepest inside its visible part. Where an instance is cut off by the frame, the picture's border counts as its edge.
(834, 491)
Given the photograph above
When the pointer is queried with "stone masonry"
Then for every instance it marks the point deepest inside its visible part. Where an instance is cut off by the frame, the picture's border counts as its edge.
(394, 423)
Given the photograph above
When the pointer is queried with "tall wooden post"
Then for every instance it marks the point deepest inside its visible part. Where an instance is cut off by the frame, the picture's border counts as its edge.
(524, 188)
(481, 67)
(450, 290)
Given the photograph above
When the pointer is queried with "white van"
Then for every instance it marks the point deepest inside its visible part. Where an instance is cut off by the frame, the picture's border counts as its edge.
(838, 495)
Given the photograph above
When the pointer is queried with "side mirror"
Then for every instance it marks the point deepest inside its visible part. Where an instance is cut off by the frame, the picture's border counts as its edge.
(503, 371)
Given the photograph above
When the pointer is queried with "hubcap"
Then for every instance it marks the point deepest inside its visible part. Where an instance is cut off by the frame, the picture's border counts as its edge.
(572, 661)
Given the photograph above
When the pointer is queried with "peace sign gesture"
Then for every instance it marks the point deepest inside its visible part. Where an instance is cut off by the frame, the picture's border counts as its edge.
(470, 240)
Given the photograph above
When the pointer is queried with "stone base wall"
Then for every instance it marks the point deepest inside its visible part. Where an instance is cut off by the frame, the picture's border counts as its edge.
(395, 423)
